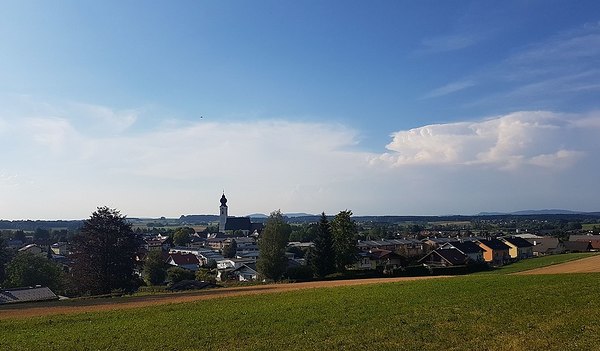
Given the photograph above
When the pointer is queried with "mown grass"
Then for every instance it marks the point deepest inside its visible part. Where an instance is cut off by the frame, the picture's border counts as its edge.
(499, 312)
(537, 262)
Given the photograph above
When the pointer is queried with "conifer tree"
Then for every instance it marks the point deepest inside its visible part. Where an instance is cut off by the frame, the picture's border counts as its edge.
(323, 255)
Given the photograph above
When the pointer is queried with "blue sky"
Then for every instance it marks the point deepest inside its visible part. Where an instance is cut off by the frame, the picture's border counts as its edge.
(389, 107)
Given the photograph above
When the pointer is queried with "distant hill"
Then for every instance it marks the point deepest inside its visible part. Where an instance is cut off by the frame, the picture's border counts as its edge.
(534, 212)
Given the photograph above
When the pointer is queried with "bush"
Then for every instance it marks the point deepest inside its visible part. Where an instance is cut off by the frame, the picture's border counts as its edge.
(300, 273)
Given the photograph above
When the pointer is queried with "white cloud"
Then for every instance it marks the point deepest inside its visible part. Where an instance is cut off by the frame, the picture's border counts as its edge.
(542, 139)
(180, 168)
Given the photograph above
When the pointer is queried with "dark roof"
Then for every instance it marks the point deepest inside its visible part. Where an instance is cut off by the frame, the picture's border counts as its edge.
(452, 256)
(26, 294)
(257, 227)
(518, 242)
(581, 246)
(238, 223)
(495, 244)
(467, 247)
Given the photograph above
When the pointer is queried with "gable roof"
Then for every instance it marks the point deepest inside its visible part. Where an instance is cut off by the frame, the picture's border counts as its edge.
(578, 245)
(518, 242)
(238, 223)
(465, 247)
(495, 244)
(452, 256)
(183, 259)
(27, 294)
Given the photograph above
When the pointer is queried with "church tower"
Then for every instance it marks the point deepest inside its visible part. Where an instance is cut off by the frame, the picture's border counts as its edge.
(223, 213)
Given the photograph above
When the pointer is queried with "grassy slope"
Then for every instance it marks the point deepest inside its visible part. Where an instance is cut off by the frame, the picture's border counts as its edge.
(538, 262)
(474, 312)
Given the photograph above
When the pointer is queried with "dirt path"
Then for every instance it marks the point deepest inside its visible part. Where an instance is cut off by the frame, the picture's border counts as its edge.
(584, 265)
(96, 305)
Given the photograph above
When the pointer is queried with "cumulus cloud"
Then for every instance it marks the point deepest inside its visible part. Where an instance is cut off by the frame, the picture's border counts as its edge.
(543, 139)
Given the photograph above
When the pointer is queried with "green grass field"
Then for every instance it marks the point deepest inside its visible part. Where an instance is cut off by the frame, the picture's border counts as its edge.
(477, 312)
(537, 262)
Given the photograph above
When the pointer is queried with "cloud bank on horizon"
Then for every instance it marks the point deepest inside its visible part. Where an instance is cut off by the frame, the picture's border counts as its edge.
(70, 157)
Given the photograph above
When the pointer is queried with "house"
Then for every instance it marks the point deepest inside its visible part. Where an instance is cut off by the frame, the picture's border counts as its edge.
(404, 247)
(495, 251)
(33, 249)
(445, 258)
(594, 240)
(386, 259)
(203, 255)
(468, 248)
(364, 262)
(156, 243)
(578, 246)
(546, 246)
(246, 273)
(184, 260)
(26, 294)
(519, 247)
(60, 248)
(232, 225)
(433, 243)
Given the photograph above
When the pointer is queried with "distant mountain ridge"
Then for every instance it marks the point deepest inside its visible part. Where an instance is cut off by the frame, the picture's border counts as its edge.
(534, 212)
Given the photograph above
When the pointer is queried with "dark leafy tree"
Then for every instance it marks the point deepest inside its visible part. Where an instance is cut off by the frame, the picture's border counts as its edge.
(155, 271)
(323, 255)
(182, 236)
(5, 256)
(104, 253)
(272, 262)
(230, 250)
(344, 239)
(27, 269)
(206, 275)
(177, 274)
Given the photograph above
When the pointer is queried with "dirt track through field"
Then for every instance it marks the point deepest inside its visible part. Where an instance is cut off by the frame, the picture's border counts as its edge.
(97, 305)
(584, 265)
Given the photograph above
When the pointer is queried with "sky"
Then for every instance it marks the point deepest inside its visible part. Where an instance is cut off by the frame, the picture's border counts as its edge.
(383, 108)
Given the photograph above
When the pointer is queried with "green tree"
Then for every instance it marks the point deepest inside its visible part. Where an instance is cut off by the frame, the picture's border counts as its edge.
(5, 256)
(205, 275)
(177, 274)
(27, 269)
(154, 272)
(182, 236)
(323, 255)
(104, 253)
(230, 250)
(272, 262)
(344, 233)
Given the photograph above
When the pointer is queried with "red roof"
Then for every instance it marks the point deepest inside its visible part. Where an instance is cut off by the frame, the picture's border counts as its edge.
(183, 259)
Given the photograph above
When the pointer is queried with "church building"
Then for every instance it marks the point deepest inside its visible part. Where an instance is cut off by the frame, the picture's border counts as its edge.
(233, 224)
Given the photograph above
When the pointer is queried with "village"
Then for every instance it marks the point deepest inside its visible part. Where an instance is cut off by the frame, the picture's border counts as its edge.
(228, 252)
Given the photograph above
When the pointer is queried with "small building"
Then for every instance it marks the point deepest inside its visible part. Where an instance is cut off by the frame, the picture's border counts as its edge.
(594, 240)
(183, 260)
(26, 294)
(495, 251)
(445, 258)
(546, 246)
(246, 273)
(578, 246)
(60, 248)
(468, 248)
(33, 249)
(519, 247)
